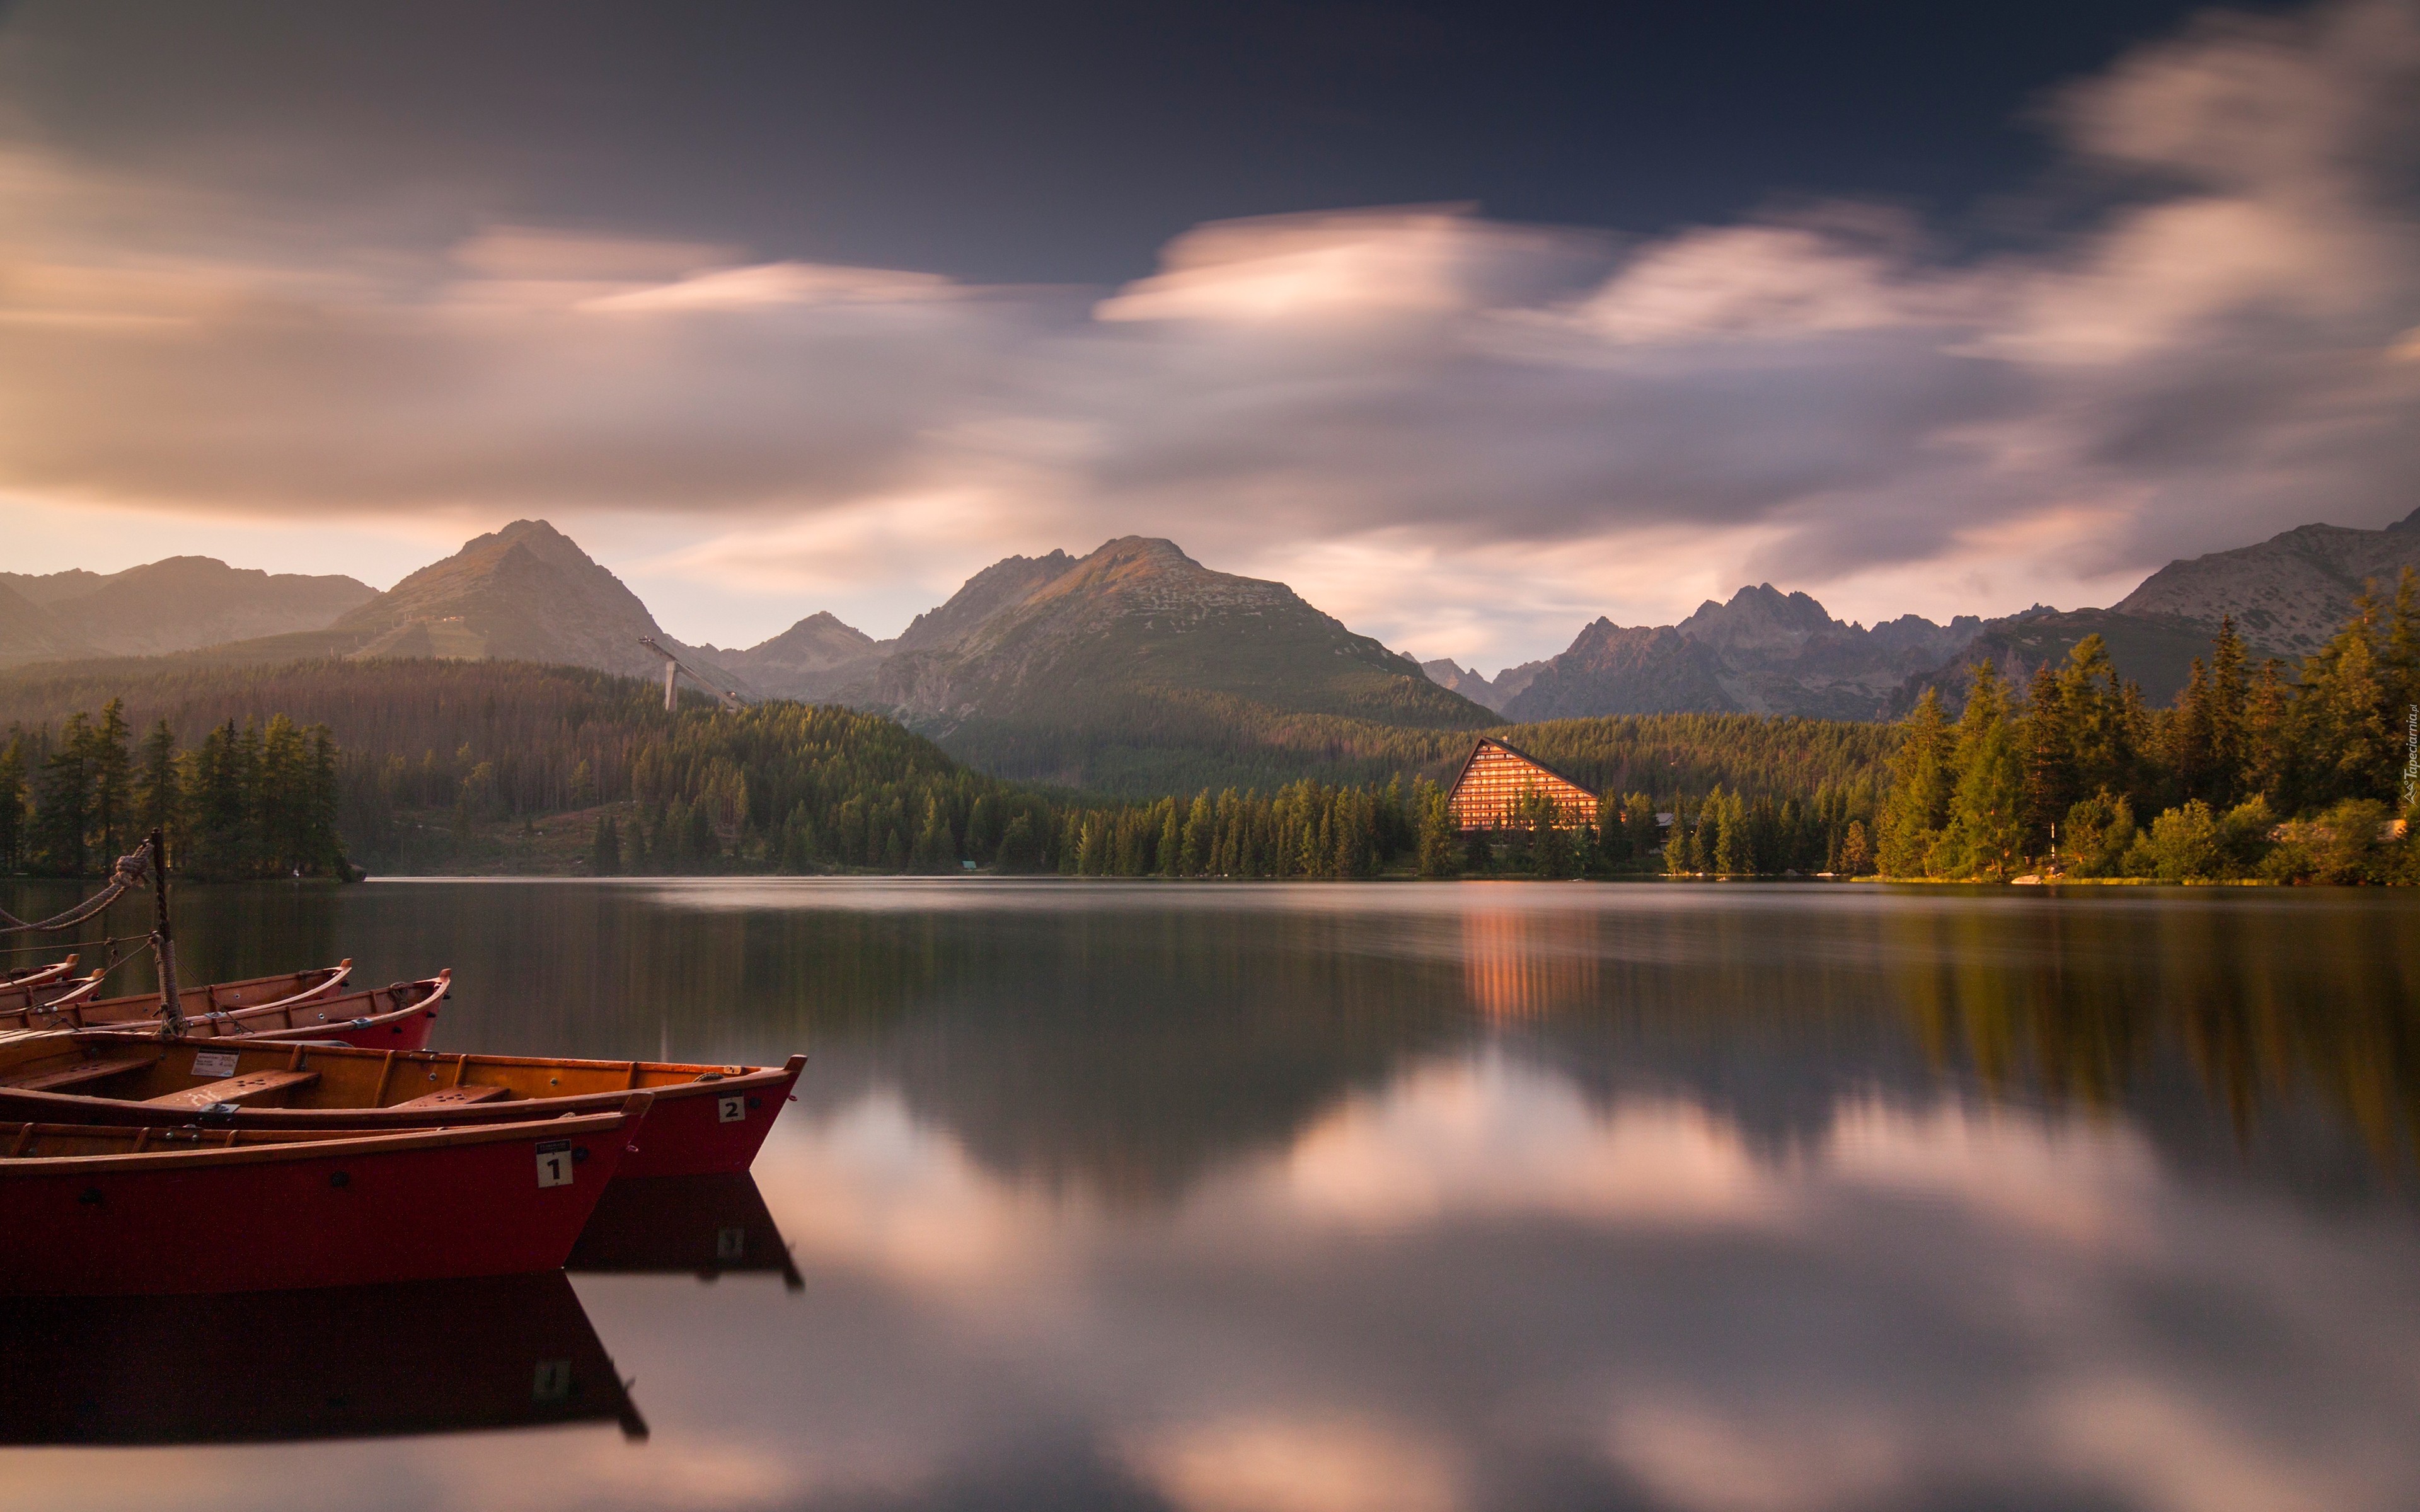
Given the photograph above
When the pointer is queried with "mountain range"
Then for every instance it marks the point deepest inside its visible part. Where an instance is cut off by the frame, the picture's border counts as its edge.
(176, 604)
(1105, 669)
(1766, 652)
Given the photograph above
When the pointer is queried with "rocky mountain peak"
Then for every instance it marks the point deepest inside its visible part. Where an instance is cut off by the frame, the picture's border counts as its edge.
(2288, 593)
(982, 596)
(1761, 616)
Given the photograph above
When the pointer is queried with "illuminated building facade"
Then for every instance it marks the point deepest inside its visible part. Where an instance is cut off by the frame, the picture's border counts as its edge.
(1488, 793)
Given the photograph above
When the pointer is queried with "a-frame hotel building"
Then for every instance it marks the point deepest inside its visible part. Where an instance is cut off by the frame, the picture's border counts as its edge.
(1488, 793)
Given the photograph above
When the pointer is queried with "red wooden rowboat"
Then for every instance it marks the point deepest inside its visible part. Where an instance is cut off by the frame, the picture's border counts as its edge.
(37, 976)
(707, 1118)
(101, 1211)
(76, 1008)
(39, 984)
(506, 1351)
(384, 1018)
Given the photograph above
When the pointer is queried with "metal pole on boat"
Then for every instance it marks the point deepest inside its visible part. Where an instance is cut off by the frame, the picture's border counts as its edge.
(164, 939)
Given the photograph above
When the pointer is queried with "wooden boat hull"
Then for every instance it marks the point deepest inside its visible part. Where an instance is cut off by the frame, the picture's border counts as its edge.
(37, 985)
(71, 1005)
(24, 979)
(380, 1018)
(337, 1363)
(706, 1119)
(282, 1213)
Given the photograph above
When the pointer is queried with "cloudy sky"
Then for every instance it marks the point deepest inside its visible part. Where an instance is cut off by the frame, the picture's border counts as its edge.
(1473, 323)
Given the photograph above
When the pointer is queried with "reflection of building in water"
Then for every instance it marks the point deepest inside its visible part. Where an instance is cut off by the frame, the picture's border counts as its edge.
(1520, 965)
(1488, 792)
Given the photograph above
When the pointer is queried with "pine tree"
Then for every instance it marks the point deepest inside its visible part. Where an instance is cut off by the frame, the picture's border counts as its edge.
(934, 850)
(1918, 803)
(1986, 833)
(1438, 849)
(63, 803)
(2268, 768)
(1638, 822)
(12, 807)
(1171, 857)
(2342, 716)
(605, 849)
(112, 775)
(983, 829)
(2186, 746)
(157, 789)
(2097, 719)
(1857, 852)
(1018, 850)
(2227, 711)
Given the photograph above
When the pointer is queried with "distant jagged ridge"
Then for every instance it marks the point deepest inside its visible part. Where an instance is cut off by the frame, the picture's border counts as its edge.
(1766, 651)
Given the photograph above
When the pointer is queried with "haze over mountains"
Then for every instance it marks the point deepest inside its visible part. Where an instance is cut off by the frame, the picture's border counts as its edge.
(176, 604)
(1078, 670)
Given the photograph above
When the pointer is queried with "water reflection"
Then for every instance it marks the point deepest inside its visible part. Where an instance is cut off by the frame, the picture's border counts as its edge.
(1742, 1199)
(1475, 1288)
(354, 1361)
(1521, 964)
(704, 1226)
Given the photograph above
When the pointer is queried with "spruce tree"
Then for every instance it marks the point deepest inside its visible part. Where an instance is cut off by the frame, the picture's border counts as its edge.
(157, 789)
(2342, 716)
(1985, 833)
(112, 775)
(2268, 768)
(605, 848)
(2229, 699)
(12, 807)
(1919, 802)
(63, 803)
(2094, 701)
(1171, 857)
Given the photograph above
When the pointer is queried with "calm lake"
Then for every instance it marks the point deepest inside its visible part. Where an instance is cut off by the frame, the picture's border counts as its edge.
(1318, 1198)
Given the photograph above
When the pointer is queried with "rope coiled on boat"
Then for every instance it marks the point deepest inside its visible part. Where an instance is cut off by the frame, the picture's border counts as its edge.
(132, 870)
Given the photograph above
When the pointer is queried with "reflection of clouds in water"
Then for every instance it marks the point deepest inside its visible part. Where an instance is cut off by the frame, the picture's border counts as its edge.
(1292, 1466)
(1473, 1287)
(1458, 1141)
(1922, 1301)
(875, 1193)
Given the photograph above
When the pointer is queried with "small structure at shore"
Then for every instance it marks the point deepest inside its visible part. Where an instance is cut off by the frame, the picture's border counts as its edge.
(1495, 779)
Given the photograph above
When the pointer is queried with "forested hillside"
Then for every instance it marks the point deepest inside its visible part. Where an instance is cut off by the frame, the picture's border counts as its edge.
(439, 766)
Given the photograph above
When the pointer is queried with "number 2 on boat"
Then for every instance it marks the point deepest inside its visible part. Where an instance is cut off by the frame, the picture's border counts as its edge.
(730, 1109)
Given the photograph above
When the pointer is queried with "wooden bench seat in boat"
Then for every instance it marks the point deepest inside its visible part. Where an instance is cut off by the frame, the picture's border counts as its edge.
(78, 1074)
(455, 1097)
(250, 1087)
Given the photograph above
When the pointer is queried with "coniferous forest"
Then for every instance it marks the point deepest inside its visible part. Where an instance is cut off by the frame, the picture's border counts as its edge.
(2255, 773)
